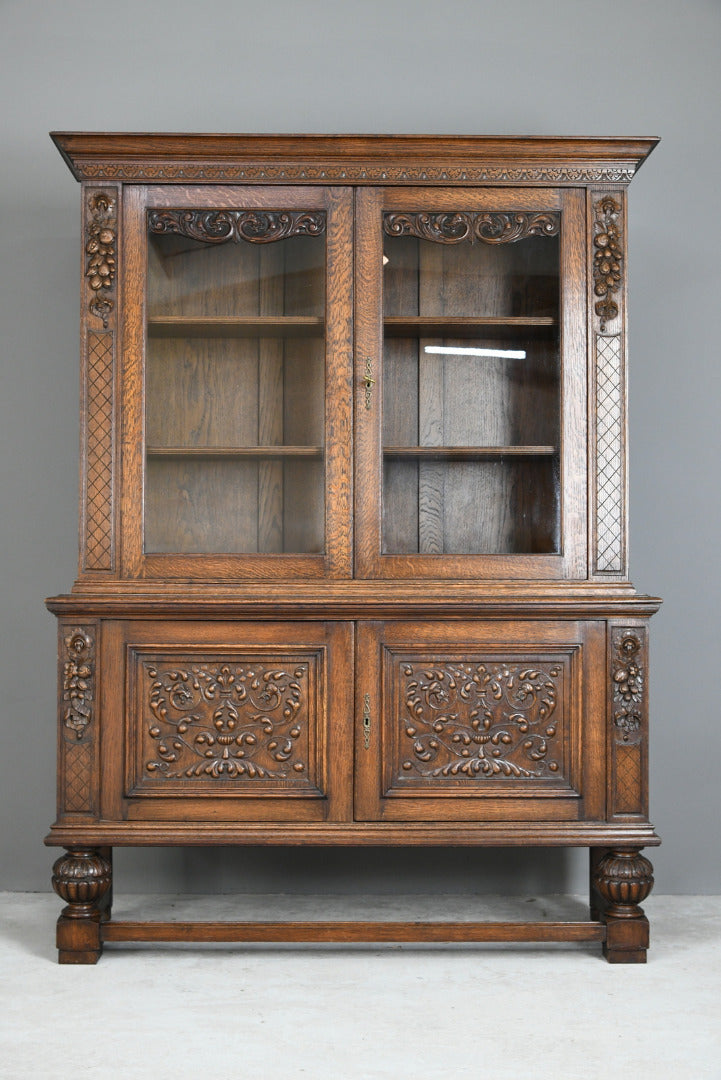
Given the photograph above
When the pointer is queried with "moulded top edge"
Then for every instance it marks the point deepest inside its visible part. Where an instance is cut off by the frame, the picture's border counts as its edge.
(352, 158)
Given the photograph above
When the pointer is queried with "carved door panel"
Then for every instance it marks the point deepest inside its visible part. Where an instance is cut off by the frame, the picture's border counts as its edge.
(495, 721)
(226, 721)
(470, 385)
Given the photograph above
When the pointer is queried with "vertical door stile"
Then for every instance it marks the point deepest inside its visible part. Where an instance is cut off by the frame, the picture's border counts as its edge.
(368, 407)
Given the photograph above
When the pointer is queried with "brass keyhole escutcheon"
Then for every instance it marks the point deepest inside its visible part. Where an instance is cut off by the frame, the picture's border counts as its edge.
(367, 721)
(368, 381)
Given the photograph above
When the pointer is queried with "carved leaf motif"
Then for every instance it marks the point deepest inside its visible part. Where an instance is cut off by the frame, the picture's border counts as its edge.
(607, 257)
(454, 228)
(101, 254)
(227, 721)
(481, 720)
(221, 226)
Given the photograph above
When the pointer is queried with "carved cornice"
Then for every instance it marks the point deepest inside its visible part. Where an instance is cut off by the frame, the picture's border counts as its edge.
(101, 253)
(254, 226)
(607, 257)
(454, 228)
(352, 159)
(78, 678)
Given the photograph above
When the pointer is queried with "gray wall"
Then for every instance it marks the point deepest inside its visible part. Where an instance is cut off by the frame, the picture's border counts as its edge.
(629, 67)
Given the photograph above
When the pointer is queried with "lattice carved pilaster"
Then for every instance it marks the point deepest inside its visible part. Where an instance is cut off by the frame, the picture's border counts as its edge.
(100, 246)
(606, 275)
(98, 546)
(609, 454)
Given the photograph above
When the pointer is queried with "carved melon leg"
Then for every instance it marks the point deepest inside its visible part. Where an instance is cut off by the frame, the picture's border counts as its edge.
(623, 878)
(82, 878)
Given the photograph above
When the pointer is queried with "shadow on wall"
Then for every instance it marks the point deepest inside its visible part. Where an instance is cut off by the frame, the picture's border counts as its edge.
(346, 871)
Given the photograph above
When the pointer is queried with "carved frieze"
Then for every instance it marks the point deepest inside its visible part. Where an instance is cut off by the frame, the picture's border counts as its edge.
(221, 226)
(78, 679)
(607, 257)
(359, 173)
(226, 720)
(101, 253)
(460, 226)
(481, 720)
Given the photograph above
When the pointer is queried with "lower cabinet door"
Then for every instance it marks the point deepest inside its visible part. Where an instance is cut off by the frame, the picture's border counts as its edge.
(227, 721)
(480, 721)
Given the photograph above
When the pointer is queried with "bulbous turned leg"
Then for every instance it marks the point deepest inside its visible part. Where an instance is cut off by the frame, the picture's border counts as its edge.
(81, 877)
(623, 878)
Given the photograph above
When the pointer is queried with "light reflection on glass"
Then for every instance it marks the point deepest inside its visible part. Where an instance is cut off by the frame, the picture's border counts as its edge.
(454, 350)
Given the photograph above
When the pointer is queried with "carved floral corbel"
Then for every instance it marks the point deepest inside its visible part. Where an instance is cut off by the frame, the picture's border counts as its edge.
(101, 254)
(607, 258)
(78, 675)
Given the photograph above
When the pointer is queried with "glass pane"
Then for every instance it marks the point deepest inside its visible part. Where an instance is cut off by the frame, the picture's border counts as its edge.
(471, 384)
(235, 385)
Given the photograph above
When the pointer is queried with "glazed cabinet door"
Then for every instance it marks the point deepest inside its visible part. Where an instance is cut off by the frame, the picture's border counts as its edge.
(226, 721)
(237, 382)
(470, 383)
(480, 721)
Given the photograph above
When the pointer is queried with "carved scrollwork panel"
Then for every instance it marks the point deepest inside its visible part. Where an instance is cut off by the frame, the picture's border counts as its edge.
(480, 720)
(231, 723)
(221, 226)
(460, 226)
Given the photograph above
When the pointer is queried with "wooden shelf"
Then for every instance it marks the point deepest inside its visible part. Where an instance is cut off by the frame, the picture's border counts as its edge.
(236, 451)
(516, 326)
(220, 326)
(467, 453)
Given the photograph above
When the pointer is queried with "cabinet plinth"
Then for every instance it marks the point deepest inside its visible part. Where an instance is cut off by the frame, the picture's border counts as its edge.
(353, 517)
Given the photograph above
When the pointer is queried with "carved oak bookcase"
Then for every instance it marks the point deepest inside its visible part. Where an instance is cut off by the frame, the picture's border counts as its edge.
(353, 560)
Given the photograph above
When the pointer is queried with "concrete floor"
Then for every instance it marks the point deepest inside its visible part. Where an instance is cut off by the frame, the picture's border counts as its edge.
(361, 1012)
